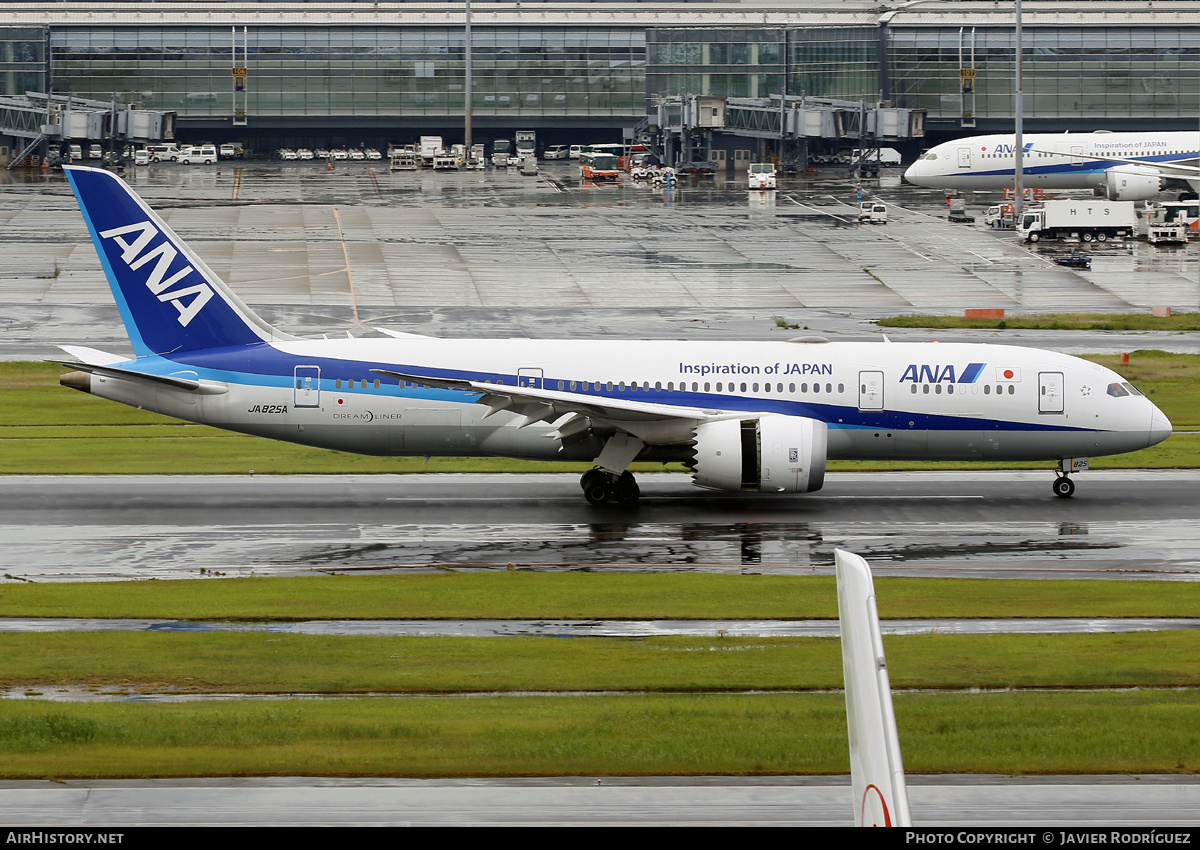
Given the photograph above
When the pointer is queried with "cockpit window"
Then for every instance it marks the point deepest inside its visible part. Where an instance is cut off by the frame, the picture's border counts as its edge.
(931, 156)
(1132, 389)
(1117, 390)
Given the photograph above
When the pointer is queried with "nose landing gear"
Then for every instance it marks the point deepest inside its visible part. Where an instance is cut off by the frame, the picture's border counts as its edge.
(600, 486)
(1064, 487)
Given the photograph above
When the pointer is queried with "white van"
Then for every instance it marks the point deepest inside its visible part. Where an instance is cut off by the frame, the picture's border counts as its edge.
(203, 154)
(75, 153)
(163, 153)
(95, 152)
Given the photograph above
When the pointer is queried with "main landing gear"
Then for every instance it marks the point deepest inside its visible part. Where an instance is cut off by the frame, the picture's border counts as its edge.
(600, 486)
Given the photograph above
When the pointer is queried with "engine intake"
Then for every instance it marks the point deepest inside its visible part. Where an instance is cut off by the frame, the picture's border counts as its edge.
(766, 454)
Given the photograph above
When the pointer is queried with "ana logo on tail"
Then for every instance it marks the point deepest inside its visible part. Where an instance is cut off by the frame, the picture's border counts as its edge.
(136, 255)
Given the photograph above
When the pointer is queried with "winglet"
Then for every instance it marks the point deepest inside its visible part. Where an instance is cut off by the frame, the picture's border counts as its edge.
(169, 299)
(876, 769)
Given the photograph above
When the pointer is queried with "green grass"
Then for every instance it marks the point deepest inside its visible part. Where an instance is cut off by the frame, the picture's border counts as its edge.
(530, 594)
(650, 735)
(1055, 322)
(46, 429)
(266, 662)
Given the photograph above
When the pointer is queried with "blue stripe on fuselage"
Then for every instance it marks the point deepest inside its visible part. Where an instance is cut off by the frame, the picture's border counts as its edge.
(264, 365)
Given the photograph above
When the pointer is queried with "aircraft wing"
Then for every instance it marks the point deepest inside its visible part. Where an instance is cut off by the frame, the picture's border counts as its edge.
(542, 405)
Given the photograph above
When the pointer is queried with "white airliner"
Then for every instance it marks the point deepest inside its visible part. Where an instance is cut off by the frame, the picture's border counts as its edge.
(744, 416)
(1125, 166)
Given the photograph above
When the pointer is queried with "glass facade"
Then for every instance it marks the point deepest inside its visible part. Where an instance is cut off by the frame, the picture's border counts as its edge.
(837, 62)
(23, 59)
(1109, 72)
(718, 62)
(352, 71)
(608, 69)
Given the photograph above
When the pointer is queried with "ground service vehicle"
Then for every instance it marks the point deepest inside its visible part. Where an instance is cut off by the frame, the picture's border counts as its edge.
(526, 144)
(999, 216)
(501, 148)
(762, 175)
(595, 165)
(1084, 220)
(429, 147)
(872, 212)
(162, 153)
(202, 154)
(556, 152)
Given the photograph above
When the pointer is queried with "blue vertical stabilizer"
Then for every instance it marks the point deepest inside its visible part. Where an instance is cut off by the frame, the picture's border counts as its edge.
(170, 300)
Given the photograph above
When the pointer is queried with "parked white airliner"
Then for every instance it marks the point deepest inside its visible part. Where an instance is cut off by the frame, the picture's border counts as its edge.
(744, 416)
(1124, 166)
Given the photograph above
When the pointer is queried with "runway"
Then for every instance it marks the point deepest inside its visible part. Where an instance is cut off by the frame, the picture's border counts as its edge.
(1136, 524)
(1161, 802)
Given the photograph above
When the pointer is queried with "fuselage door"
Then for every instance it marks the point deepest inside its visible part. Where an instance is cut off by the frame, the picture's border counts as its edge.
(308, 386)
(1050, 392)
(531, 378)
(870, 391)
(964, 157)
(1077, 155)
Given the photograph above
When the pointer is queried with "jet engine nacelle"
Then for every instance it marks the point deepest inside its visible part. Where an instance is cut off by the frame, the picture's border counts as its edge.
(1131, 183)
(765, 454)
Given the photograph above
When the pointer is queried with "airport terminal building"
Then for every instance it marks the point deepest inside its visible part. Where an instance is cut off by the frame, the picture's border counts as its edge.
(290, 73)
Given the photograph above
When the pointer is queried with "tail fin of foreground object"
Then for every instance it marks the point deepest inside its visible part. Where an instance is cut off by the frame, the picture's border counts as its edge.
(169, 299)
(876, 770)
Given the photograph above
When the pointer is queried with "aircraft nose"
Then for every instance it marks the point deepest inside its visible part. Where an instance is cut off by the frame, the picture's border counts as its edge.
(1160, 428)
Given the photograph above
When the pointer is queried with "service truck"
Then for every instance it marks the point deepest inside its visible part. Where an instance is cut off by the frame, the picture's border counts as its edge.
(526, 144)
(501, 148)
(429, 147)
(1084, 220)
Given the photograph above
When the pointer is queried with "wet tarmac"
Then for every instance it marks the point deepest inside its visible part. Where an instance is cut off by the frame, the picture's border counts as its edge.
(1031, 803)
(605, 628)
(1128, 525)
(496, 253)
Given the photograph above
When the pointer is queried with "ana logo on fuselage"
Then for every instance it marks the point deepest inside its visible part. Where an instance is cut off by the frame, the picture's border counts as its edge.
(137, 253)
(925, 374)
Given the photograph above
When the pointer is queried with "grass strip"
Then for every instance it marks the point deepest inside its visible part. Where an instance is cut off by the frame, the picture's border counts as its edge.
(46, 429)
(719, 734)
(1055, 322)
(258, 662)
(528, 594)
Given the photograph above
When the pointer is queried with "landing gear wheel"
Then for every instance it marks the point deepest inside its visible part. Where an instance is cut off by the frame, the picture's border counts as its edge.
(597, 493)
(1087, 237)
(1102, 237)
(627, 490)
(1064, 487)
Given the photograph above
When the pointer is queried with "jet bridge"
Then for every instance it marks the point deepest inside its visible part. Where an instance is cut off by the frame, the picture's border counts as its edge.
(796, 126)
(37, 120)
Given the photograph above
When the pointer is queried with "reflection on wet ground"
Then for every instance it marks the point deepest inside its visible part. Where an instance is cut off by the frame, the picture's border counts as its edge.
(1120, 525)
(1146, 549)
(604, 628)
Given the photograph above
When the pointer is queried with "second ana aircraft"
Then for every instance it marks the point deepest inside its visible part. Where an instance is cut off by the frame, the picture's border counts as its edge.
(1120, 166)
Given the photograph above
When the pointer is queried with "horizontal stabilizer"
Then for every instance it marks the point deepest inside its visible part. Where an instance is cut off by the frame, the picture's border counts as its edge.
(192, 385)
